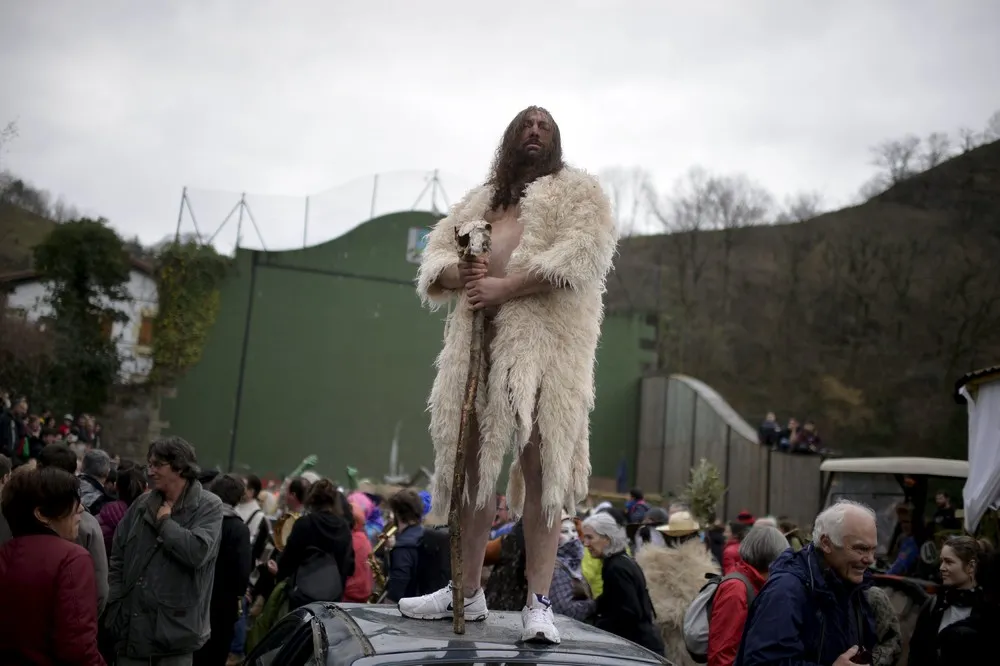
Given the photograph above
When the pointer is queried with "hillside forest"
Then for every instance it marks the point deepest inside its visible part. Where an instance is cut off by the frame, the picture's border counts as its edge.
(860, 319)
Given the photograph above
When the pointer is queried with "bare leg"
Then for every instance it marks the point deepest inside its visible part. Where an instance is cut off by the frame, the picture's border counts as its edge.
(540, 539)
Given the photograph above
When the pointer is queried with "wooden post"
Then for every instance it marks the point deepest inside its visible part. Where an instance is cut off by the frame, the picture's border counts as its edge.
(469, 249)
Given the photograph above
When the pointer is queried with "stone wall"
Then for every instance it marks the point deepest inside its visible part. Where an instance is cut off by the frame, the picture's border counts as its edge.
(131, 420)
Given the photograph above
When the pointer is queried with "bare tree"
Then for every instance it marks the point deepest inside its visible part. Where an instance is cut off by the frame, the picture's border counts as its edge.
(897, 159)
(872, 187)
(969, 139)
(800, 207)
(992, 131)
(63, 212)
(628, 189)
(937, 149)
(683, 215)
(7, 134)
(736, 202)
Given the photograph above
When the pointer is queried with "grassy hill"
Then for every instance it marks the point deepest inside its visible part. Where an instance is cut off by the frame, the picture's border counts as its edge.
(20, 232)
(861, 319)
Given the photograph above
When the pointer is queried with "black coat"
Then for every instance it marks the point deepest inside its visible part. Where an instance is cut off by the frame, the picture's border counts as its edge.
(963, 642)
(624, 607)
(232, 575)
(8, 433)
(322, 530)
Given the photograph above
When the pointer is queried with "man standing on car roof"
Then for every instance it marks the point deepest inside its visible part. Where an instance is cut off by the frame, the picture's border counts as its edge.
(553, 239)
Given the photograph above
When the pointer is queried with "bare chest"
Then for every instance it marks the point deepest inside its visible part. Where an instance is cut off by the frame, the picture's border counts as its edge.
(504, 238)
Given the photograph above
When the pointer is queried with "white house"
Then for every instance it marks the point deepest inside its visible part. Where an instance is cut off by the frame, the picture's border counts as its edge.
(27, 296)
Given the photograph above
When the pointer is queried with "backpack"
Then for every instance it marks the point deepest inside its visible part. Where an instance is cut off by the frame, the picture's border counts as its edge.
(699, 613)
(434, 561)
(316, 579)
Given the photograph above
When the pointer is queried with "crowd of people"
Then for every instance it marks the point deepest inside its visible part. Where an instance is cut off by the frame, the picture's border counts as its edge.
(755, 591)
(181, 566)
(132, 561)
(23, 435)
(794, 437)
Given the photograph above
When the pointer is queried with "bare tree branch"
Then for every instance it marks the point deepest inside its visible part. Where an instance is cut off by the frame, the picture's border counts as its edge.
(873, 187)
(738, 202)
(7, 135)
(969, 139)
(937, 149)
(628, 190)
(897, 159)
(992, 131)
(800, 207)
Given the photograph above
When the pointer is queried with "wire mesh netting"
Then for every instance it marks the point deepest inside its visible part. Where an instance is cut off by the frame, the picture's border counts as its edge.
(276, 222)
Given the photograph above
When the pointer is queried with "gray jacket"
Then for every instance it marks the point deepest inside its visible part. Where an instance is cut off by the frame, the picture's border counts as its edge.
(162, 574)
(91, 538)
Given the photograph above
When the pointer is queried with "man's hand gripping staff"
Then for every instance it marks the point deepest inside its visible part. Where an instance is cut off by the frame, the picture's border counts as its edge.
(474, 252)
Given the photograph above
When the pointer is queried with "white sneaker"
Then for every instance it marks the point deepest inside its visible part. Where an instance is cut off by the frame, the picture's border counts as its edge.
(537, 621)
(437, 606)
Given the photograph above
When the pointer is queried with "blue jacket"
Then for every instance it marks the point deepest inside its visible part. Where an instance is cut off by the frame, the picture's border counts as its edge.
(404, 559)
(805, 615)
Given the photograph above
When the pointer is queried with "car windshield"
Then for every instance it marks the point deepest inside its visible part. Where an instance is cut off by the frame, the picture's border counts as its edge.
(879, 491)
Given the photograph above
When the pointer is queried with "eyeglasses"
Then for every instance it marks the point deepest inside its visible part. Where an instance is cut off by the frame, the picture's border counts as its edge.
(156, 464)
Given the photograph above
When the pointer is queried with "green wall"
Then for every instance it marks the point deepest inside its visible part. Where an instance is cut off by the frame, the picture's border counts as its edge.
(338, 350)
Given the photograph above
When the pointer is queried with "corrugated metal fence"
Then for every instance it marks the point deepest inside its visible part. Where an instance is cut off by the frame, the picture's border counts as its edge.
(683, 420)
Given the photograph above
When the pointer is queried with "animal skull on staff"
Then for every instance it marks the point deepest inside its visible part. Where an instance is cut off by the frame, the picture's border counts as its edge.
(473, 242)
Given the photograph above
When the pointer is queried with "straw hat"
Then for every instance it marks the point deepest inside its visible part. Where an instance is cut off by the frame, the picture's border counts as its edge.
(680, 524)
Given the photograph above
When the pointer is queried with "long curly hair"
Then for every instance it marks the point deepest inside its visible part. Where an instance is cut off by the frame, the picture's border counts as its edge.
(513, 169)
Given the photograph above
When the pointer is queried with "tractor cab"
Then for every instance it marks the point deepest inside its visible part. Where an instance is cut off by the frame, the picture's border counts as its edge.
(902, 491)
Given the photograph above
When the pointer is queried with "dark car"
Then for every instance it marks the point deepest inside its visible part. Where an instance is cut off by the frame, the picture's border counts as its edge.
(330, 634)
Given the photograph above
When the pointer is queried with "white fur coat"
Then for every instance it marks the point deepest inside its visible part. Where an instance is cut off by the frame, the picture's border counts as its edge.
(674, 575)
(544, 344)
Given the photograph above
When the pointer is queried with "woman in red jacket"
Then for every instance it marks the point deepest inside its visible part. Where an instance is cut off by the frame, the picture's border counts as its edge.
(50, 611)
(758, 549)
(359, 585)
(734, 535)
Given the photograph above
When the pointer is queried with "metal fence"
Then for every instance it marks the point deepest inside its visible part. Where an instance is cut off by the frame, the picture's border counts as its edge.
(278, 222)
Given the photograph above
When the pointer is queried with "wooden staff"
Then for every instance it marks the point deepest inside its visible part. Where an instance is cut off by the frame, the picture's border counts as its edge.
(472, 244)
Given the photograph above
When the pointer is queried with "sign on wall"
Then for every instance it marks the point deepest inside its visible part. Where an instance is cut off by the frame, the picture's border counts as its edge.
(415, 244)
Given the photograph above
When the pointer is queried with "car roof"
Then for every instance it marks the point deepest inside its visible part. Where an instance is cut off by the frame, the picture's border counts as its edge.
(381, 630)
(902, 465)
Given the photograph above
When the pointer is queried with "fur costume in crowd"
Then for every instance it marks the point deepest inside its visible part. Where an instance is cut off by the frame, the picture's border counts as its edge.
(544, 345)
(890, 645)
(674, 576)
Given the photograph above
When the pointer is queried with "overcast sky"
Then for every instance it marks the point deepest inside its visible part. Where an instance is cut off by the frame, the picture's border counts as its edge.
(121, 104)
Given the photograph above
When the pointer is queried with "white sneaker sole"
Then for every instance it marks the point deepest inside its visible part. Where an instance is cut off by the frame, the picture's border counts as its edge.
(539, 637)
(444, 615)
